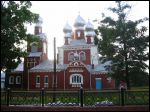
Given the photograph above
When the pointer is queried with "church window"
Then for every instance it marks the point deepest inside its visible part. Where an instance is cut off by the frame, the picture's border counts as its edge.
(11, 80)
(37, 80)
(82, 56)
(46, 81)
(18, 80)
(71, 56)
(76, 80)
(34, 48)
(76, 56)
(31, 62)
(78, 33)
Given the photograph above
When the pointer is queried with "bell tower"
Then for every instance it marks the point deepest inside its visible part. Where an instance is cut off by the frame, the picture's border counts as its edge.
(68, 33)
(89, 29)
(37, 50)
(79, 28)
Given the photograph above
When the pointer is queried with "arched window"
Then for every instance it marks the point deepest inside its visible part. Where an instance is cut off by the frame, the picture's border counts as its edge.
(18, 80)
(78, 34)
(46, 81)
(37, 81)
(76, 79)
(11, 80)
(71, 56)
(34, 47)
(82, 56)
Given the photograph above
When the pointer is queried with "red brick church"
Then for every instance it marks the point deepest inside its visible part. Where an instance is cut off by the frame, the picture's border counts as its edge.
(77, 62)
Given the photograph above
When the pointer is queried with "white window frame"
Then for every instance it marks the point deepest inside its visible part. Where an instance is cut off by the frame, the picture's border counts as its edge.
(11, 80)
(34, 47)
(46, 83)
(37, 83)
(18, 80)
(69, 56)
(82, 52)
(76, 80)
(78, 33)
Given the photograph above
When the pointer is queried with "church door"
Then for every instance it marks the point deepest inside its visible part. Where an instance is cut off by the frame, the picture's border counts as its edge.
(98, 84)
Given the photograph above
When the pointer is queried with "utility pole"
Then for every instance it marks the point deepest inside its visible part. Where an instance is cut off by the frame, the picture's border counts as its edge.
(54, 84)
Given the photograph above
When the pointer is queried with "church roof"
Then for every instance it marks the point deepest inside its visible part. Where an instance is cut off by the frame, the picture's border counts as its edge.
(19, 68)
(35, 54)
(46, 65)
(100, 68)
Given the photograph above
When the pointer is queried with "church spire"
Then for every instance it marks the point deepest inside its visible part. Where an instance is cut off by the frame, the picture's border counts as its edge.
(38, 26)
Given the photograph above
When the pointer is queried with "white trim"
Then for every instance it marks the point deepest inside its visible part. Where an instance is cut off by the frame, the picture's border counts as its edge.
(18, 80)
(11, 80)
(46, 85)
(98, 78)
(37, 83)
(83, 54)
(46, 76)
(70, 53)
(75, 80)
(30, 63)
(75, 70)
(78, 33)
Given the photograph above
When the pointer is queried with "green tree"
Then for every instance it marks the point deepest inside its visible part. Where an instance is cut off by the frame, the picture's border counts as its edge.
(122, 42)
(14, 16)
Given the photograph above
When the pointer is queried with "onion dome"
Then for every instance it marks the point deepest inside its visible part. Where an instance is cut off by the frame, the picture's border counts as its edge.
(79, 22)
(89, 26)
(40, 21)
(67, 28)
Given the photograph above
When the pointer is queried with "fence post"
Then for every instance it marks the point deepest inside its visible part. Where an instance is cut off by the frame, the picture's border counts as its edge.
(42, 96)
(122, 96)
(8, 96)
(81, 97)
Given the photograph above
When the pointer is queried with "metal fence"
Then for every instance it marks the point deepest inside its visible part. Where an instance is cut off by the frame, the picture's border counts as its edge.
(75, 98)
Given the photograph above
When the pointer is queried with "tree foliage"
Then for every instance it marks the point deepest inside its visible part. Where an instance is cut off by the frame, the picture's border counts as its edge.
(14, 16)
(122, 42)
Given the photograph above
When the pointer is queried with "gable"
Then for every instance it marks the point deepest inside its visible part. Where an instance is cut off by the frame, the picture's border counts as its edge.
(76, 64)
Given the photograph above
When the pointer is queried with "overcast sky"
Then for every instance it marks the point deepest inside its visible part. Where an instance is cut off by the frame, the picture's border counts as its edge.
(56, 13)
